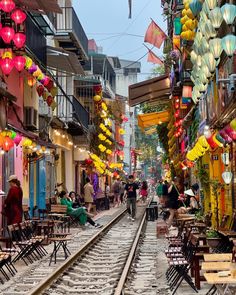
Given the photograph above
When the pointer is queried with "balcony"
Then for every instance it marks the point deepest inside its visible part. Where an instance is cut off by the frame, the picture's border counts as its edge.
(107, 88)
(71, 112)
(35, 41)
(70, 33)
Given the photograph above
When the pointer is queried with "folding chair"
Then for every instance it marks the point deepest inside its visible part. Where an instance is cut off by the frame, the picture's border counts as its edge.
(26, 248)
(28, 234)
(180, 263)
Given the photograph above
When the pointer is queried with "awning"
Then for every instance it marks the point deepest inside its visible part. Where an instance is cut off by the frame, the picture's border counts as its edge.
(152, 119)
(60, 59)
(150, 90)
(40, 6)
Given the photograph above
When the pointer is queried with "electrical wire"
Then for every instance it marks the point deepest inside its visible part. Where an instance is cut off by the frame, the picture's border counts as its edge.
(121, 34)
(128, 27)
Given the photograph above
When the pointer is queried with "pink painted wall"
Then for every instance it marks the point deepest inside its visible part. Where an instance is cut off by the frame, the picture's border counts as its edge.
(18, 162)
(15, 87)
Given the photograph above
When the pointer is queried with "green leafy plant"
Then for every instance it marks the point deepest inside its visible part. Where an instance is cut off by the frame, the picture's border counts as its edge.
(212, 234)
(216, 186)
(199, 216)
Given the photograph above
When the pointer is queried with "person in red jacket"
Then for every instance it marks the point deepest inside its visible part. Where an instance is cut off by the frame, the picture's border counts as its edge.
(13, 201)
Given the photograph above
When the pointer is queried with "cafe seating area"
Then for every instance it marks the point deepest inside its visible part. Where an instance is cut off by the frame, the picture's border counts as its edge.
(196, 256)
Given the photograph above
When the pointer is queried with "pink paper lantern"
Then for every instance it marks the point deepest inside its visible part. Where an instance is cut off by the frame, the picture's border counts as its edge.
(19, 40)
(18, 16)
(7, 5)
(7, 34)
(7, 65)
(19, 62)
(17, 139)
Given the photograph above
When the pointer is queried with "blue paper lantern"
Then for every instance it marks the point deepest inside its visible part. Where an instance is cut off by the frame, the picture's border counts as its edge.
(195, 7)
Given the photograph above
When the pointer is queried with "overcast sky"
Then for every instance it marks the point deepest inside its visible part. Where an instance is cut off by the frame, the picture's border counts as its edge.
(107, 22)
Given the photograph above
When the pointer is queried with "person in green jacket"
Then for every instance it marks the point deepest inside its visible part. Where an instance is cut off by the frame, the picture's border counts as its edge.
(78, 213)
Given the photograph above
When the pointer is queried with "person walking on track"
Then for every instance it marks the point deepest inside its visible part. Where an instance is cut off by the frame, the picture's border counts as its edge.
(131, 193)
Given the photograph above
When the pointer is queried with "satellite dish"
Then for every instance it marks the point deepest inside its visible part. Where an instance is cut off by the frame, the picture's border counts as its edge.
(3, 116)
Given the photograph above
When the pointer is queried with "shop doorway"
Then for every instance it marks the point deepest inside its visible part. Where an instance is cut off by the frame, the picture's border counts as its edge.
(37, 185)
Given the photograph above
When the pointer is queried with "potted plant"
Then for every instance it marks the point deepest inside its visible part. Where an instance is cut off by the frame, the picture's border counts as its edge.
(212, 238)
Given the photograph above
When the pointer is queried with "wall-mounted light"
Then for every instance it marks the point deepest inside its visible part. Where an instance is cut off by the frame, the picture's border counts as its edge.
(227, 177)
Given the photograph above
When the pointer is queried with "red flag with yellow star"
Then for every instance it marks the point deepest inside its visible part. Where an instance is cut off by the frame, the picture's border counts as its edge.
(155, 35)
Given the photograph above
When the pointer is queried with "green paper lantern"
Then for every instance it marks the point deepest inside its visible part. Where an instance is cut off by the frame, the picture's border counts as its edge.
(177, 26)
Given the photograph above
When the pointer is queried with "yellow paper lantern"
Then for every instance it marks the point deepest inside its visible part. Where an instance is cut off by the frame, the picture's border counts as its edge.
(184, 12)
(37, 72)
(176, 43)
(189, 13)
(184, 27)
(7, 54)
(122, 131)
(104, 106)
(109, 152)
(184, 19)
(27, 142)
(54, 91)
(97, 98)
(31, 81)
(189, 25)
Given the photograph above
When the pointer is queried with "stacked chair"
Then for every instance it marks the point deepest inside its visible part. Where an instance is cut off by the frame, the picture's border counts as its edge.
(180, 253)
(29, 247)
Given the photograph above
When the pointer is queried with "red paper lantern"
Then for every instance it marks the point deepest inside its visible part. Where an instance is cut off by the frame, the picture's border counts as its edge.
(40, 90)
(97, 88)
(19, 40)
(88, 162)
(49, 100)
(7, 5)
(7, 65)
(18, 16)
(49, 85)
(19, 62)
(177, 114)
(7, 144)
(7, 34)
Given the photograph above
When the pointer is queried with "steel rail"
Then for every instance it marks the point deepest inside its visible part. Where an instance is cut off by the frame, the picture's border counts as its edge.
(121, 283)
(45, 284)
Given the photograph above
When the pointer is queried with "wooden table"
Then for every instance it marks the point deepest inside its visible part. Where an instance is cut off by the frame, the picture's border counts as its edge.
(59, 242)
(218, 257)
(216, 266)
(221, 284)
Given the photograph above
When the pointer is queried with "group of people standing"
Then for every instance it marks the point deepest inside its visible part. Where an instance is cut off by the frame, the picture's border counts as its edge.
(122, 191)
(170, 197)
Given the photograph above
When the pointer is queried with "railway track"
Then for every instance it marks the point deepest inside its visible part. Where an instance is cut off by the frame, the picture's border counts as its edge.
(108, 263)
(102, 266)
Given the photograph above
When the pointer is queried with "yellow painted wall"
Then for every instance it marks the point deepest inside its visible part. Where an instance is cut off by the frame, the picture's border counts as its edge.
(216, 168)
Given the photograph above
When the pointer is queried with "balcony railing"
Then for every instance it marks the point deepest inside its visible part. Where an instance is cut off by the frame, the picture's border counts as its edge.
(108, 89)
(68, 23)
(35, 40)
(70, 109)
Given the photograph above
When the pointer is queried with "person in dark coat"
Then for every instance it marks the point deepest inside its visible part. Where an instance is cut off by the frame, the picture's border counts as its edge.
(172, 202)
(13, 201)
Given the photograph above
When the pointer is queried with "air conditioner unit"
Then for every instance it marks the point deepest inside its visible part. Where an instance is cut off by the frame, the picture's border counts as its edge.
(30, 118)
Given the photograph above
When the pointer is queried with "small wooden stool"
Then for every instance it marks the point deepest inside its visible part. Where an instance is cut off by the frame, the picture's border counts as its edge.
(59, 242)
